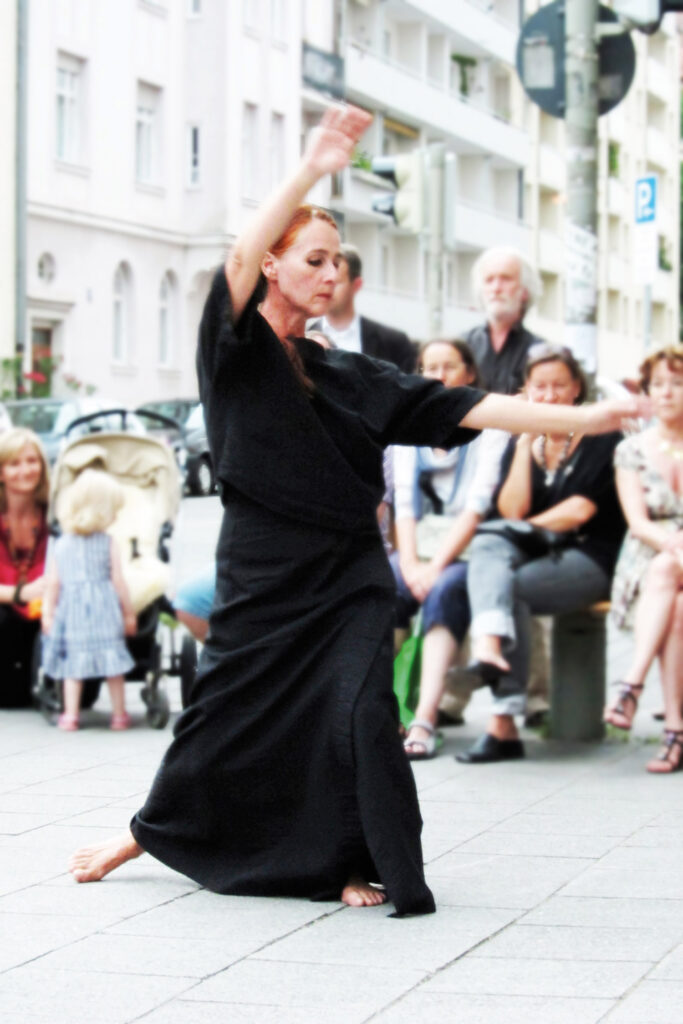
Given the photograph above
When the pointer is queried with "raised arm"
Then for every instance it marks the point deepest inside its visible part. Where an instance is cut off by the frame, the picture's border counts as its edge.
(328, 149)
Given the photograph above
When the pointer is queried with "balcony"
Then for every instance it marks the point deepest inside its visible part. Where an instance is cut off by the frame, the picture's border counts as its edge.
(550, 252)
(376, 82)
(479, 227)
(657, 80)
(658, 149)
(663, 289)
(551, 168)
(616, 197)
(485, 34)
(615, 273)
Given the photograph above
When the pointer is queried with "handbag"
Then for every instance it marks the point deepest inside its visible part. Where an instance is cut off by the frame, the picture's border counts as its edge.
(407, 668)
(534, 541)
(433, 527)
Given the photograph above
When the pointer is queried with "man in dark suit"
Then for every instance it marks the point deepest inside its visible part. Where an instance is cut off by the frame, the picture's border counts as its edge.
(356, 333)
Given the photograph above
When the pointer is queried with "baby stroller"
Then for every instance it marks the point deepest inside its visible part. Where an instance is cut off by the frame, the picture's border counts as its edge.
(146, 469)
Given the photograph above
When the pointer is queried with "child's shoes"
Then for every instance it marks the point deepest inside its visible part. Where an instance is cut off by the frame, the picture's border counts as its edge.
(67, 723)
(120, 722)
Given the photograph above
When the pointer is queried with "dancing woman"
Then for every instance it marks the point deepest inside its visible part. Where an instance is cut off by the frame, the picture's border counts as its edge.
(286, 774)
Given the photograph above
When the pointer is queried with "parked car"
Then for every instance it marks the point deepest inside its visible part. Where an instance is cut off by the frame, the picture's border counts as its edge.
(51, 418)
(199, 477)
(178, 409)
(5, 419)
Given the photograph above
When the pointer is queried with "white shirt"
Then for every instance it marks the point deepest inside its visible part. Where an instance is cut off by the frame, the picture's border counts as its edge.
(475, 488)
(347, 338)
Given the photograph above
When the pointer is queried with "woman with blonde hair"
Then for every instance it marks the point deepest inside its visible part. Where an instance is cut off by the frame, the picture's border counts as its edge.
(87, 608)
(24, 486)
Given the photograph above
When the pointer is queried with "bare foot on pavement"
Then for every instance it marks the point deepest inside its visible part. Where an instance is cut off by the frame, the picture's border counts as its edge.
(91, 863)
(357, 893)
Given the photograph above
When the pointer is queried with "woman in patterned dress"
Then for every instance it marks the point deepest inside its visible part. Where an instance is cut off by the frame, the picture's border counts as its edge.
(647, 594)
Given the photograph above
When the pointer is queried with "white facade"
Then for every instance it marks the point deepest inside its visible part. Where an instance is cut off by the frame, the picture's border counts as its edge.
(148, 122)
(8, 113)
(638, 137)
(400, 62)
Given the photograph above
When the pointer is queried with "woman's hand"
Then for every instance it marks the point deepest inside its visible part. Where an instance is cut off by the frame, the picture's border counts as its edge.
(330, 145)
(617, 414)
(34, 589)
(46, 623)
(420, 577)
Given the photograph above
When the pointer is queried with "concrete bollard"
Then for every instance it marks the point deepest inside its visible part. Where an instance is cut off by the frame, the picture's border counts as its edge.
(577, 697)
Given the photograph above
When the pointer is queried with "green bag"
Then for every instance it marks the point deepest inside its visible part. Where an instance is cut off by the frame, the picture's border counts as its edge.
(407, 668)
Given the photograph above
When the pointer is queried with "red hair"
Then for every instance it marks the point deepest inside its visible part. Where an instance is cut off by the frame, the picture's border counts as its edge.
(302, 216)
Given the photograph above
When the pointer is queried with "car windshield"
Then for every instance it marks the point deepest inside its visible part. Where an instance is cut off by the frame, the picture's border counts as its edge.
(195, 420)
(177, 410)
(38, 416)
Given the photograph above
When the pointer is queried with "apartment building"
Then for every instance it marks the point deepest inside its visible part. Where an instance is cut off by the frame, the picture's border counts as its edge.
(155, 127)
(638, 137)
(432, 72)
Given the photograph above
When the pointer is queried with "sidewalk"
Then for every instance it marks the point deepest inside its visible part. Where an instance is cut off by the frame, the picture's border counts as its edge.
(558, 879)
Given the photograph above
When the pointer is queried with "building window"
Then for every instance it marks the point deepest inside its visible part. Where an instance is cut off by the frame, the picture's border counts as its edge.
(166, 319)
(278, 20)
(69, 108)
(121, 314)
(250, 161)
(194, 177)
(147, 134)
(194, 8)
(277, 148)
(252, 14)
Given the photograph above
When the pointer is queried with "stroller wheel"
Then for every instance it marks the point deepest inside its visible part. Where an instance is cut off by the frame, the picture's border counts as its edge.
(158, 707)
(188, 668)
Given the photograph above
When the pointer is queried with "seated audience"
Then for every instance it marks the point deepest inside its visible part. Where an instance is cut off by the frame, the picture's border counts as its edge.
(456, 486)
(24, 488)
(564, 485)
(647, 593)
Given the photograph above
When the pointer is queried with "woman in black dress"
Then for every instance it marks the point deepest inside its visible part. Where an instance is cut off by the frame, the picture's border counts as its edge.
(286, 774)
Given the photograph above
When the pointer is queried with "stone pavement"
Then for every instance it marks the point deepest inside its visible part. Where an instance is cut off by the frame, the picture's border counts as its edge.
(559, 883)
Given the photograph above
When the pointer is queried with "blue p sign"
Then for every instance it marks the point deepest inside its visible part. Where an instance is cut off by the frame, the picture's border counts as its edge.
(646, 199)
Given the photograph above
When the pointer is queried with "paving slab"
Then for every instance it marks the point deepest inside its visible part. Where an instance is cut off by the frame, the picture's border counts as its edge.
(652, 1002)
(493, 1009)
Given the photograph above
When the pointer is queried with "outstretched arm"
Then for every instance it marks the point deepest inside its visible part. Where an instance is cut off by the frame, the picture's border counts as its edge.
(518, 417)
(329, 149)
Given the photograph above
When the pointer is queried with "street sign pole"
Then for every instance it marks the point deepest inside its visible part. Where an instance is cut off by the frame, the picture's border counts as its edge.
(581, 243)
(645, 241)
(436, 165)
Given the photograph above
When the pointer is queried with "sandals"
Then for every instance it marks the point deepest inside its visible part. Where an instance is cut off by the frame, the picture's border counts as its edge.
(67, 723)
(625, 707)
(669, 759)
(120, 722)
(428, 746)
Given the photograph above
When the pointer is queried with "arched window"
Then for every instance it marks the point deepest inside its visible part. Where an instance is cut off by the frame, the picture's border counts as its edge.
(121, 314)
(167, 319)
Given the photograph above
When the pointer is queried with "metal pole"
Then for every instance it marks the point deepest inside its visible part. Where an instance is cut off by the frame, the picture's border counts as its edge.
(20, 188)
(435, 204)
(647, 318)
(581, 243)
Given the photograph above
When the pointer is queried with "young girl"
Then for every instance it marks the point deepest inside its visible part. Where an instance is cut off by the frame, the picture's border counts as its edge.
(87, 608)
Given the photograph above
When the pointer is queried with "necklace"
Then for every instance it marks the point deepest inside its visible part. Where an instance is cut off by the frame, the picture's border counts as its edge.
(672, 448)
(551, 473)
(22, 559)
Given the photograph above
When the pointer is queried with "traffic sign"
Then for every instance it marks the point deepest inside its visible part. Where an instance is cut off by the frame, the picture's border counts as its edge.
(645, 239)
(646, 199)
(541, 66)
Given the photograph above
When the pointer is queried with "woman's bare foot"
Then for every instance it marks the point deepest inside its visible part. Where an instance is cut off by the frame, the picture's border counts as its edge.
(357, 893)
(91, 863)
(486, 649)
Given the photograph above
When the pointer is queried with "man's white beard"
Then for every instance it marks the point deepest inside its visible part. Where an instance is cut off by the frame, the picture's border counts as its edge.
(504, 308)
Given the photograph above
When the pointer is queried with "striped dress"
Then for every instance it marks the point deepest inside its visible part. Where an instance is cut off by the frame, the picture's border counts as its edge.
(87, 639)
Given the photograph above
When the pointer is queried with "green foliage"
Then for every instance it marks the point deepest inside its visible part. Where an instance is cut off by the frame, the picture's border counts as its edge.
(613, 159)
(10, 376)
(663, 261)
(465, 63)
(361, 160)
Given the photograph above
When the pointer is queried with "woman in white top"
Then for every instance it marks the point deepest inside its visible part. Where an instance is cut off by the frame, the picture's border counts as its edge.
(457, 485)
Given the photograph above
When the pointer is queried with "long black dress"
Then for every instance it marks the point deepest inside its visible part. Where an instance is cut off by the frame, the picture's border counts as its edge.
(286, 773)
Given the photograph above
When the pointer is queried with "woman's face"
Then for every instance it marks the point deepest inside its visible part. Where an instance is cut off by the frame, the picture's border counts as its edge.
(305, 275)
(21, 473)
(443, 362)
(552, 382)
(666, 390)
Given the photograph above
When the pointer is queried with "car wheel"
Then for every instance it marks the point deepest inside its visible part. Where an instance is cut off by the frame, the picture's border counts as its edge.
(204, 477)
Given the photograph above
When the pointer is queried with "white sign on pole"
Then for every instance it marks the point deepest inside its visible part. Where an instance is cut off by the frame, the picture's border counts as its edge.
(645, 230)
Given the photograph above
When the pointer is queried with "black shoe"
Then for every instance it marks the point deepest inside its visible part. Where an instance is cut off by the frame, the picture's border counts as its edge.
(536, 720)
(444, 719)
(489, 673)
(488, 748)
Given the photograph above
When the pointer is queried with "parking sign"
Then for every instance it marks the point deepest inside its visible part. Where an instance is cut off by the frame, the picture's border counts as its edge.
(645, 230)
(646, 199)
